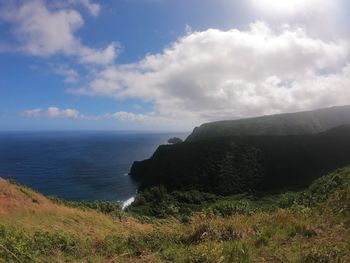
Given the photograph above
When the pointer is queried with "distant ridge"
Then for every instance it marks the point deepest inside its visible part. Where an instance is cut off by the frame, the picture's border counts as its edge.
(306, 122)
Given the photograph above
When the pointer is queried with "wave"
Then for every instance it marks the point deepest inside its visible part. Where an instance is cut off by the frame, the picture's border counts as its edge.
(128, 202)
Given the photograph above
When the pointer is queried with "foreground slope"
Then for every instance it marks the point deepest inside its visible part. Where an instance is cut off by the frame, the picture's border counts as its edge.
(31, 210)
(310, 226)
(308, 122)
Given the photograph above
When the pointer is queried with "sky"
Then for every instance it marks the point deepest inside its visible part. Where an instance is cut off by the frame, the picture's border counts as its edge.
(168, 65)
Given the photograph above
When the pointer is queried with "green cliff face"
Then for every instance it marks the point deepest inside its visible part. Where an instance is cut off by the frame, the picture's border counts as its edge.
(245, 164)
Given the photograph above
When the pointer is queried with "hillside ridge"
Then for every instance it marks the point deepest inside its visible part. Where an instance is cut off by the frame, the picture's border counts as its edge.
(305, 122)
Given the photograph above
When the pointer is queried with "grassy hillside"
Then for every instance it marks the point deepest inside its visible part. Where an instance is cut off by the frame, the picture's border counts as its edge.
(308, 226)
(240, 164)
(308, 122)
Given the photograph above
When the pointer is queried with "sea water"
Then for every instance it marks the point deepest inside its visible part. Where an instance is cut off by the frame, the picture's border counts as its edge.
(77, 165)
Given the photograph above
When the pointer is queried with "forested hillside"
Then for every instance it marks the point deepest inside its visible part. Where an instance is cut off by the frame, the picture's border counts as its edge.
(232, 165)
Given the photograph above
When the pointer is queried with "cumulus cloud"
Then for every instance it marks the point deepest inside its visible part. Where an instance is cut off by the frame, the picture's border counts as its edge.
(122, 116)
(217, 74)
(51, 112)
(43, 31)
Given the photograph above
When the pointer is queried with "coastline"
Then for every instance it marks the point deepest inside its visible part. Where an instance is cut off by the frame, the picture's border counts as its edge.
(128, 202)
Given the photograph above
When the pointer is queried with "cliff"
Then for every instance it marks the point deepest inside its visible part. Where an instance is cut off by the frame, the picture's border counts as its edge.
(236, 164)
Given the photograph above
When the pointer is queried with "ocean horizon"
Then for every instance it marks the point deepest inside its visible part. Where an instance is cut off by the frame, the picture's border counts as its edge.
(78, 165)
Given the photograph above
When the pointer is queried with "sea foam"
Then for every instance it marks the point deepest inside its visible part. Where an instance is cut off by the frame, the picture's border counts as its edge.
(128, 202)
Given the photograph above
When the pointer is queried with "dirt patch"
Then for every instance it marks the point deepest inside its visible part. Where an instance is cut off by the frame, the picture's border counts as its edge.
(12, 198)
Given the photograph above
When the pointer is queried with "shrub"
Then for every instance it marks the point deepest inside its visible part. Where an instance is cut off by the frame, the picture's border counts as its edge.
(203, 232)
(206, 253)
(236, 252)
(288, 199)
(106, 207)
(324, 255)
(49, 243)
(229, 207)
(112, 245)
(15, 246)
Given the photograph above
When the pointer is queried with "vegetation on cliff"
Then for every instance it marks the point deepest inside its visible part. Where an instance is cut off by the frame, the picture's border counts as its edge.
(245, 164)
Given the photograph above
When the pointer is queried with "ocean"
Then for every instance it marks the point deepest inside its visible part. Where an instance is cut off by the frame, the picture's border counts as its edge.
(77, 165)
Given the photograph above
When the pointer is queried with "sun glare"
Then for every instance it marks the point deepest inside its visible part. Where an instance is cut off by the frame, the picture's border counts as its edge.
(280, 6)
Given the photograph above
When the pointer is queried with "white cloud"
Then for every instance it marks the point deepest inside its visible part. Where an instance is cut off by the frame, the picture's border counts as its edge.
(93, 8)
(54, 112)
(70, 75)
(44, 32)
(51, 112)
(120, 116)
(291, 7)
(98, 56)
(147, 118)
(33, 113)
(124, 116)
(318, 17)
(218, 74)
(127, 116)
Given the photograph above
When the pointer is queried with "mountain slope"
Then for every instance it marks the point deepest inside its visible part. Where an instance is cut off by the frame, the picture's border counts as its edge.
(308, 122)
(231, 165)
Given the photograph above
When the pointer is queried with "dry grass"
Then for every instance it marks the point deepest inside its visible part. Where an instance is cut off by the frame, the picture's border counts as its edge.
(25, 208)
(319, 234)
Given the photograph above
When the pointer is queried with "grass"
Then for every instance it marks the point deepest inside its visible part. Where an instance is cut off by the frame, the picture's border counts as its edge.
(308, 226)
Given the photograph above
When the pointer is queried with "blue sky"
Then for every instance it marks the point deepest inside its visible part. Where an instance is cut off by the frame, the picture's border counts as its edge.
(166, 64)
